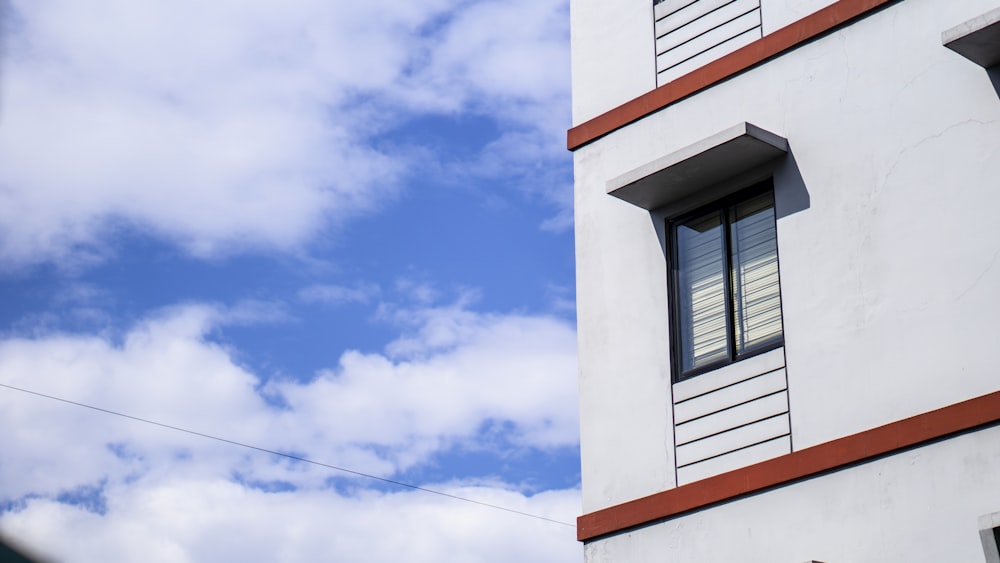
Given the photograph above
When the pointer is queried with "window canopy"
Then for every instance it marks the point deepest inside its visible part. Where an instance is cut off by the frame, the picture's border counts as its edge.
(681, 174)
(977, 39)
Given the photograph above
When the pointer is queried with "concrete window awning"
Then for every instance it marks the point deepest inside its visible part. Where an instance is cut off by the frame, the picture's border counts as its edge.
(682, 174)
(977, 39)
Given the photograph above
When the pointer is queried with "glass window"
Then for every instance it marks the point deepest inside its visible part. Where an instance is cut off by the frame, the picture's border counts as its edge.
(726, 296)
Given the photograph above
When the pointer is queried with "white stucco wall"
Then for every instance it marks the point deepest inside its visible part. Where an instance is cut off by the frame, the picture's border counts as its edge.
(776, 14)
(614, 49)
(890, 277)
(624, 373)
(612, 46)
(921, 506)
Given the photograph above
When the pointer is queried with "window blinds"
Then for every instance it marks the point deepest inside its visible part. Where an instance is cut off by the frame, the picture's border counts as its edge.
(701, 256)
(728, 296)
(756, 294)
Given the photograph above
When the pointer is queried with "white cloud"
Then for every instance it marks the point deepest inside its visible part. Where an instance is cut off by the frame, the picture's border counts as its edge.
(231, 126)
(184, 497)
(415, 290)
(338, 294)
(501, 55)
(197, 520)
(509, 59)
(459, 370)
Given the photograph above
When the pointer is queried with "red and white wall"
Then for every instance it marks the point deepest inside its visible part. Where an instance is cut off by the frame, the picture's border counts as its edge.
(889, 257)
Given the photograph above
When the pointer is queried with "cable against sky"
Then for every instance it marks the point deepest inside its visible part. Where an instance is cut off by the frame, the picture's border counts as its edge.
(285, 455)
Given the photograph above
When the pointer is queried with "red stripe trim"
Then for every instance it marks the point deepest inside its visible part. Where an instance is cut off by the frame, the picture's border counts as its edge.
(809, 462)
(786, 38)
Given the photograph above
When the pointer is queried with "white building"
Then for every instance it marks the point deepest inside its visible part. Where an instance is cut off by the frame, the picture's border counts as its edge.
(845, 406)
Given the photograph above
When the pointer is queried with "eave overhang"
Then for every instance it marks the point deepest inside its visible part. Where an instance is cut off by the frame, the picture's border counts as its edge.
(712, 160)
(977, 39)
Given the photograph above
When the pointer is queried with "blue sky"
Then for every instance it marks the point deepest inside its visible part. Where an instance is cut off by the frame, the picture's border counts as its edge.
(336, 229)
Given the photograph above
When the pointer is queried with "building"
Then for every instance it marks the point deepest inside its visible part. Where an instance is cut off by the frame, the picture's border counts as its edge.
(788, 262)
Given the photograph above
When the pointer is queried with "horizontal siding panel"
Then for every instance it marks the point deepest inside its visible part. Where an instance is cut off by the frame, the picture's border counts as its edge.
(732, 440)
(762, 408)
(709, 40)
(735, 460)
(667, 73)
(730, 396)
(667, 7)
(729, 11)
(728, 375)
(687, 15)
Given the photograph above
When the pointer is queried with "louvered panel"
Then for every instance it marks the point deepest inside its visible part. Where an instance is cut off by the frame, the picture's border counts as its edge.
(667, 7)
(680, 27)
(760, 409)
(707, 47)
(688, 14)
(733, 440)
(709, 40)
(735, 460)
(731, 417)
(730, 396)
(729, 375)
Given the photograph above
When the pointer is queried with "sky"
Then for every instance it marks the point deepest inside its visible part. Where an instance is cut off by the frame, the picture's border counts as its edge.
(336, 230)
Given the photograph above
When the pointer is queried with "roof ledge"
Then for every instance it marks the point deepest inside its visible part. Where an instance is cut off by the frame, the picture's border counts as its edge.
(681, 174)
(977, 39)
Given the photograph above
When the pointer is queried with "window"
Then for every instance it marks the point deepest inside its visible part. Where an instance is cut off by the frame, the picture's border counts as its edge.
(725, 297)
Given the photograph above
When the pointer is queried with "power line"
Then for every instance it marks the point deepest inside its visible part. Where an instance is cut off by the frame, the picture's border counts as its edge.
(289, 456)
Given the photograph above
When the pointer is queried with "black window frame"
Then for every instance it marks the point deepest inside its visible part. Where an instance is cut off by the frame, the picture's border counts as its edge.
(722, 206)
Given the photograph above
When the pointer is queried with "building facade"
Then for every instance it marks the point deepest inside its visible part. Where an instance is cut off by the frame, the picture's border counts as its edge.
(788, 279)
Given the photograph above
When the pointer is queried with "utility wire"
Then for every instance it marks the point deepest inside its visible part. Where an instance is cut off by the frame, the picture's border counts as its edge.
(289, 456)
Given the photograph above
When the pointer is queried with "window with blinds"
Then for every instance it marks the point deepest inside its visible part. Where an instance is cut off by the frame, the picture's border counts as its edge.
(726, 296)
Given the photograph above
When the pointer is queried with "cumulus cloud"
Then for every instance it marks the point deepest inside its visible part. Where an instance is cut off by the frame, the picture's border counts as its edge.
(457, 372)
(197, 520)
(499, 56)
(137, 488)
(338, 294)
(231, 126)
(507, 59)
(185, 120)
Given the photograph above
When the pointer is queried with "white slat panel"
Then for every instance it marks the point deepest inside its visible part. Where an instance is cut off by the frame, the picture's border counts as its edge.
(762, 408)
(732, 440)
(709, 40)
(687, 15)
(735, 460)
(680, 69)
(730, 396)
(729, 12)
(668, 7)
(733, 373)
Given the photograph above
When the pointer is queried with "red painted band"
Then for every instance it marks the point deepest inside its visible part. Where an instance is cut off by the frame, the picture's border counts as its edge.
(784, 39)
(809, 462)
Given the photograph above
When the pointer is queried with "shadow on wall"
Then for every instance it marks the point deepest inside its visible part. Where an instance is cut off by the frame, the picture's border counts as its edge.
(790, 193)
(994, 73)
